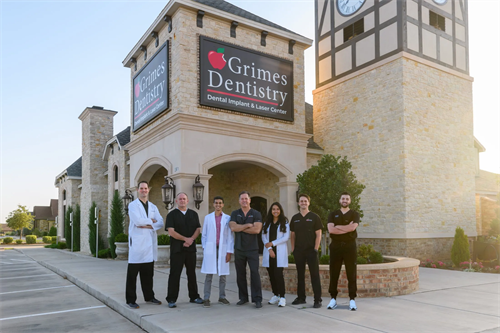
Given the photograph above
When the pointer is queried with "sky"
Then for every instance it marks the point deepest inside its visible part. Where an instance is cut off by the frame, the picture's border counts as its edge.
(59, 57)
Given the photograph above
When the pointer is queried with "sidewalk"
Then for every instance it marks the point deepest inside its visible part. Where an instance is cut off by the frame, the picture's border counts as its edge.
(448, 301)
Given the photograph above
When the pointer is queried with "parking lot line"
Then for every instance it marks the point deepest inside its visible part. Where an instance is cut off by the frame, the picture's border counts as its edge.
(55, 312)
(24, 291)
(17, 269)
(28, 276)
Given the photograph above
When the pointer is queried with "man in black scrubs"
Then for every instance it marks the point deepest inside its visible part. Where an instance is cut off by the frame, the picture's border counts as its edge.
(305, 235)
(183, 226)
(246, 224)
(342, 226)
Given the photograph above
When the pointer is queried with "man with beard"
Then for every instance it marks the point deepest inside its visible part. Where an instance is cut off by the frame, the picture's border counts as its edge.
(342, 226)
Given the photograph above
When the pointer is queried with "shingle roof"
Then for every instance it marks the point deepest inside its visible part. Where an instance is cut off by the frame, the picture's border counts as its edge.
(75, 169)
(232, 9)
(124, 136)
(54, 206)
(42, 213)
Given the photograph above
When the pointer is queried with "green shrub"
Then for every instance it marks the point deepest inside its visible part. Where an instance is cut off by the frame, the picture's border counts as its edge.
(104, 253)
(121, 238)
(460, 248)
(94, 244)
(324, 259)
(61, 245)
(163, 239)
(51, 246)
(376, 257)
(19, 241)
(369, 255)
(361, 261)
(494, 228)
(117, 219)
(31, 239)
(26, 232)
(54, 239)
(53, 231)
(37, 232)
(47, 239)
(291, 259)
(45, 233)
(76, 228)
(198, 239)
(8, 240)
(67, 227)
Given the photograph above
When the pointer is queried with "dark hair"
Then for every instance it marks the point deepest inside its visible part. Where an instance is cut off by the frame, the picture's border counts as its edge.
(219, 198)
(345, 193)
(282, 220)
(142, 182)
(244, 192)
(305, 196)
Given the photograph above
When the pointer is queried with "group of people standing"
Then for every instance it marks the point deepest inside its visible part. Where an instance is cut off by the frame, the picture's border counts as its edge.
(224, 235)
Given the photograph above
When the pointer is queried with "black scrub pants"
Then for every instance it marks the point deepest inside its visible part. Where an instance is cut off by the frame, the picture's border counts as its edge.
(276, 277)
(177, 262)
(241, 258)
(310, 257)
(146, 271)
(345, 252)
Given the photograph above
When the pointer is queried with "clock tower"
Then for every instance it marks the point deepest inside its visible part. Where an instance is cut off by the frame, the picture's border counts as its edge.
(394, 95)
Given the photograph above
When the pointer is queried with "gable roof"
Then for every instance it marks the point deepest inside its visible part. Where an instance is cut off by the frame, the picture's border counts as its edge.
(75, 169)
(123, 137)
(43, 213)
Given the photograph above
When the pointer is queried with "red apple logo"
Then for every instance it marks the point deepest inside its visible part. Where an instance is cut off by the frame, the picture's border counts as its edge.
(137, 90)
(217, 58)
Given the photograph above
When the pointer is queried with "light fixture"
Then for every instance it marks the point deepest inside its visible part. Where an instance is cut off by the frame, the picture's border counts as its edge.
(127, 199)
(198, 190)
(168, 193)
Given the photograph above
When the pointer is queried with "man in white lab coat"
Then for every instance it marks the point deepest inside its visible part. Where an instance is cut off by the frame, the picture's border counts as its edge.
(145, 219)
(217, 240)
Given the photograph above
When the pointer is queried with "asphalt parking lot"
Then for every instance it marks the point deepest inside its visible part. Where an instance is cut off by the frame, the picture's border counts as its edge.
(34, 299)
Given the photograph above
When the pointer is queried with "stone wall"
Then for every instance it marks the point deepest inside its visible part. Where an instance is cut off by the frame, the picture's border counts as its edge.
(72, 199)
(155, 184)
(488, 210)
(375, 280)
(247, 177)
(117, 158)
(97, 129)
(407, 130)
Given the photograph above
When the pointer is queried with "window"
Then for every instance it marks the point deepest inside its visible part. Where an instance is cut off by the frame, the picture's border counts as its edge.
(437, 21)
(64, 195)
(115, 171)
(354, 29)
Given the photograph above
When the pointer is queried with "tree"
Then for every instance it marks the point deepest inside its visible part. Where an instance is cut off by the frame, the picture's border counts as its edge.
(93, 231)
(117, 220)
(67, 226)
(460, 248)
(325, 182)
(19, 219)
(76, 228)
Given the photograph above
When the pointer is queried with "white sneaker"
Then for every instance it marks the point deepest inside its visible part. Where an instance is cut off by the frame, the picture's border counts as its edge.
(274, 300)
(332, 305)
(282, 302)
(352, 305)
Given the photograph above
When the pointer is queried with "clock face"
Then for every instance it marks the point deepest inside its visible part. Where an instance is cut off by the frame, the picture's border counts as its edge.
(349, 7)
(440, 2)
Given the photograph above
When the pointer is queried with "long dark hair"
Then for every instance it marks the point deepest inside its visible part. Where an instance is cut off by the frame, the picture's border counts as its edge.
(282, 220)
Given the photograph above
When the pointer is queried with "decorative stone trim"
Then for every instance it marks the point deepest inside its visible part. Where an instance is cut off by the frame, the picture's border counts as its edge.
(399, 277)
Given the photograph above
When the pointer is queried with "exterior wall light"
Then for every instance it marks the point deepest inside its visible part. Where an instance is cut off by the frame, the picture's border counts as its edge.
(198, 190)
(168, 193)
(127, 199)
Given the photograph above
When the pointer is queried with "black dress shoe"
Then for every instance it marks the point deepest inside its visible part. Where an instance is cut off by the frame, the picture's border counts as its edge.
(317, 305)
(258, 304)
(241, 302)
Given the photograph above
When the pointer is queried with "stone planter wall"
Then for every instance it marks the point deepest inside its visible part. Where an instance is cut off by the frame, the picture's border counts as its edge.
(399, 277)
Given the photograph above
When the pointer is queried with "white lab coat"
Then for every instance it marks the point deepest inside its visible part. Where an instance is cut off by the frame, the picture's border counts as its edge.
(143, 243)
(281, 247)
(209, 242)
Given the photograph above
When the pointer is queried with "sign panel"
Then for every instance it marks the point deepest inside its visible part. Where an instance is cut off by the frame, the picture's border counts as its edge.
(150, 89)
(243, 80)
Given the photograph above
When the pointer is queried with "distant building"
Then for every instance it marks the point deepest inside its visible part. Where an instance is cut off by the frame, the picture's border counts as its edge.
(45, 216)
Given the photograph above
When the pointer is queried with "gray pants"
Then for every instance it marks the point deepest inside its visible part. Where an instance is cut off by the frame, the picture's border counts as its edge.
(208, 283)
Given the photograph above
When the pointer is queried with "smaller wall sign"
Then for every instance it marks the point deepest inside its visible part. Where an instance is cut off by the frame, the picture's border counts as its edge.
(243, 80)
(150, 89)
